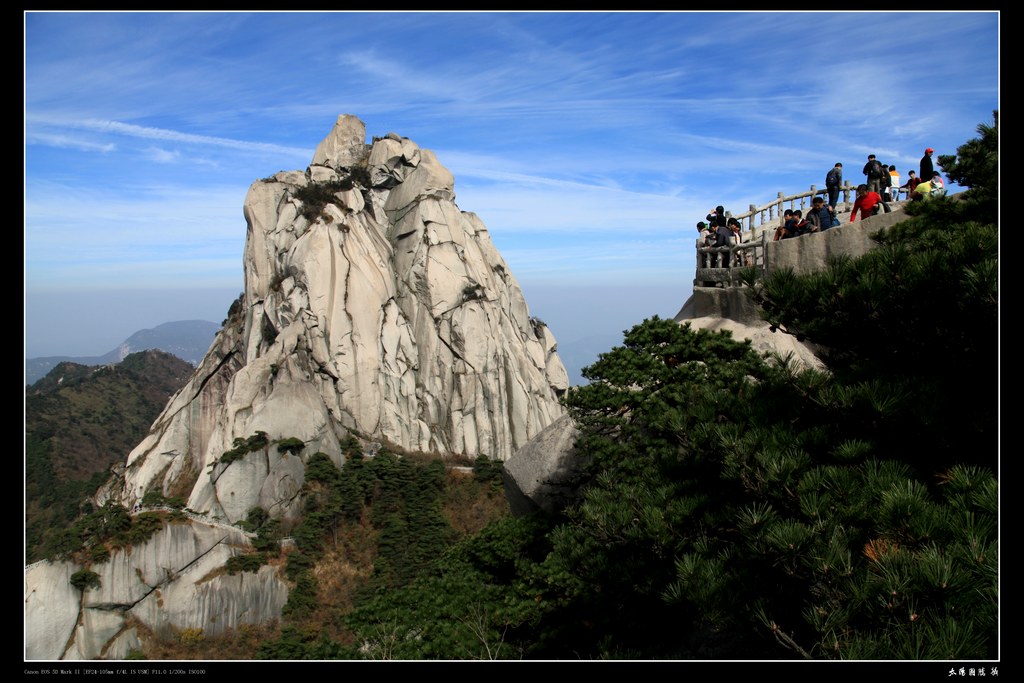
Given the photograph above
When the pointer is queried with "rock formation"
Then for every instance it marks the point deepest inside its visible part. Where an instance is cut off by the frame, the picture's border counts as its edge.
(373, 307)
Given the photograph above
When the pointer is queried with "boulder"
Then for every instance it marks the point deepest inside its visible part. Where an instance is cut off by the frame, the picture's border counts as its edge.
(545, 474)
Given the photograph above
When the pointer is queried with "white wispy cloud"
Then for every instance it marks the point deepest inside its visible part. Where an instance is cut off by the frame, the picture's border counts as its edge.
(163, 156)
(152, 133)
(65, 141)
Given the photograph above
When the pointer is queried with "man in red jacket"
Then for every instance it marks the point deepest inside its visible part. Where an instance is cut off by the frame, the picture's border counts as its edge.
(867, 202)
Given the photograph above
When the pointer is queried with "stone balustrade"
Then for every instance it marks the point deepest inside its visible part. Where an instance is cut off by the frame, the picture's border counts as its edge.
(721, 266)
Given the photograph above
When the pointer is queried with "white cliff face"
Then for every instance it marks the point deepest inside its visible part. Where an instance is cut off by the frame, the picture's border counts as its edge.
(169, 583)
(386, 312)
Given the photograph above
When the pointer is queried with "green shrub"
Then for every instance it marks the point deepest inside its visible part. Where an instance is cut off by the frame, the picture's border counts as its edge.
(297, 563)
(242, 447)
(255, 518)
(302, 600)
(315, 196)
(154, 498)
(99, 554)
(351, 448)
(142, 528)
(290, 445)
(191, 636)
(85, 578)
(235, 312)
(485, 469)
(360, 175)
(250, 562)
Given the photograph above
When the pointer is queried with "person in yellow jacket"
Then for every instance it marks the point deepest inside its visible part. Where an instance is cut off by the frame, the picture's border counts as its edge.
(922, 191)
(894, 177)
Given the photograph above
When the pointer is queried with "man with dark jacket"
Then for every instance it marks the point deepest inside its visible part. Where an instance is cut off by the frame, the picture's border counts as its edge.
(873, 171)
(717, 217)
(833, 181)
(820, 216)
(723, 238)
(926, 165)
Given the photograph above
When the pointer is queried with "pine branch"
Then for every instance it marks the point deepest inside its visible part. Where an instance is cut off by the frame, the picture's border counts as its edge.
(787, 642)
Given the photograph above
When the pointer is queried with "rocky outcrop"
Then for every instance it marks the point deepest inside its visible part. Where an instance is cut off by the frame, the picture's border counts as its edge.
(373, 306)
(172, 582)
(731, 309)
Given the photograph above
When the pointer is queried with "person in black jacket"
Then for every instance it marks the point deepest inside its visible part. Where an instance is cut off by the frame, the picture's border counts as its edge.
(886, 184)
(820, 216)
(873, 171)
(723, 238)
(833, 181)
(927, 171)
(717, 217)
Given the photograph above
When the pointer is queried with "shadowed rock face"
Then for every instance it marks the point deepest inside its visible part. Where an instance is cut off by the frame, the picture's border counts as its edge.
(381, 310)
(546, 473)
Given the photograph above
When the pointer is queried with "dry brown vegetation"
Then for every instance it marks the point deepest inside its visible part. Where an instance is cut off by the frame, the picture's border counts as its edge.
(470, 505)
(192, 644)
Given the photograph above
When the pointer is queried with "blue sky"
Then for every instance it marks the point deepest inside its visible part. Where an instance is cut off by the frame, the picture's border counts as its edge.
(588, 143)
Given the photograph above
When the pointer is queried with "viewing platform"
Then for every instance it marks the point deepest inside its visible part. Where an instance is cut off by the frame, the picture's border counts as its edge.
(756, 246)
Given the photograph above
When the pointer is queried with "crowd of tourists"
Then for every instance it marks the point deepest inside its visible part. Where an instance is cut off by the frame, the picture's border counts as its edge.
(882, 187)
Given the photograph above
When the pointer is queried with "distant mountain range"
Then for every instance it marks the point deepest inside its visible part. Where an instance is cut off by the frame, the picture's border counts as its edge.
(189, 340)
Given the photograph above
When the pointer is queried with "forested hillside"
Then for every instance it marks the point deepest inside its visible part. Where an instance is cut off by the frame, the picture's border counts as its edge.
(80, 420)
